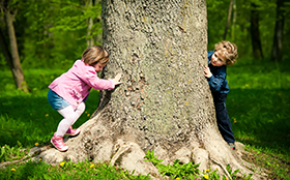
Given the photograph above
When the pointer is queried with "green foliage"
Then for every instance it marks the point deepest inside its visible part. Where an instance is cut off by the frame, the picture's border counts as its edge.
(271, 159)
(66, 171)
(239, 30)
(233, 174)
(177, 170)
(54, 33)
(189, 170)
(11, 128)
(8, 153)
(150, 156)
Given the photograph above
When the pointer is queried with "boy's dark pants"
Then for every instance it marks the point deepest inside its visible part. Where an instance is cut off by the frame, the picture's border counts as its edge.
(223, 119)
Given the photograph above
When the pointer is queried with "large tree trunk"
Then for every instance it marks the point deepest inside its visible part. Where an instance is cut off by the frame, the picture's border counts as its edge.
(278, 34)
(13, 61)
(165, 103)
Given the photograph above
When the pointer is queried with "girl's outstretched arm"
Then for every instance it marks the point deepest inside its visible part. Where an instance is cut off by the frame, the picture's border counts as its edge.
(117, 79)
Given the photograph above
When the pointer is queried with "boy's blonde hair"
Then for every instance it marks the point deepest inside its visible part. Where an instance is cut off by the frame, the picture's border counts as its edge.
(95, 54)
(229, 51)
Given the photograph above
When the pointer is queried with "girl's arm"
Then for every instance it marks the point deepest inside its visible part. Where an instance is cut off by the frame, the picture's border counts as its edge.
(95, 82)
(117, 79)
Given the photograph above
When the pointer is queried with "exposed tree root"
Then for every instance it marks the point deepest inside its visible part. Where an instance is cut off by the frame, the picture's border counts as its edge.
(96, 144)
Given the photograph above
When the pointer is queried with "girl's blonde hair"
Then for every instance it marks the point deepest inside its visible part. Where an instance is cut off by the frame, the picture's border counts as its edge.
(229, 51)
(95, 54)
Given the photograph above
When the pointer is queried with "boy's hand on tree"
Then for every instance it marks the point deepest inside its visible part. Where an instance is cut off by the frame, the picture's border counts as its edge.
(117, 79)
(207, 72)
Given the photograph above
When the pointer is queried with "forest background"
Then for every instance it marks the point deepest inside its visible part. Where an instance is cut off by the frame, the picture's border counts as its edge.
(52, 34)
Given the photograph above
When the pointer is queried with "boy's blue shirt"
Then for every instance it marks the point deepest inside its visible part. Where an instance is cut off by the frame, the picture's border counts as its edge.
(217, 82)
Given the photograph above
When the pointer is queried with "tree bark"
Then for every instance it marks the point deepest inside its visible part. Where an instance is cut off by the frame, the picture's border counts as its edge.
(278, 34)
(255, 33)
(165, 103)
(13, 61)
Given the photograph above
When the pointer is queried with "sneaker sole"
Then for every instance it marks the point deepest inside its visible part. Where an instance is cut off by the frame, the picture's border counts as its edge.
(62, 150)
(72, 135)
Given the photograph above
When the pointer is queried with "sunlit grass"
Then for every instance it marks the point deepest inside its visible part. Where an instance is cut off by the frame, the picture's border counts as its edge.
(28, 118)
(66, 170)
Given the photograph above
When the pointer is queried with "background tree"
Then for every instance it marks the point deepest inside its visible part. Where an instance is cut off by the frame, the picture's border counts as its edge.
(229, 18)
(61, 32)
(12, 56)
(255, 32)
(241, 30)
(165, 103)
(94, 19)
(53, 34)
(278, 33)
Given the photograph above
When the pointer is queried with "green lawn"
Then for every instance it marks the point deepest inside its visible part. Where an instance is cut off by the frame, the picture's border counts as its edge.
(258, 105)
(28, 118)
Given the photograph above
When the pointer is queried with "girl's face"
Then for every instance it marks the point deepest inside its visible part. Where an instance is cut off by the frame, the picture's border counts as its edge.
(99, 66)
(216, 59)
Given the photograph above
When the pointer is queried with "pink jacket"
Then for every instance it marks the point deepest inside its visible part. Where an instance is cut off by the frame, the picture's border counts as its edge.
(76, 83)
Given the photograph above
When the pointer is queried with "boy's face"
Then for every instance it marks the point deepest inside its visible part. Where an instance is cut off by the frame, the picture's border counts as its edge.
(216, 59)
(99, 66)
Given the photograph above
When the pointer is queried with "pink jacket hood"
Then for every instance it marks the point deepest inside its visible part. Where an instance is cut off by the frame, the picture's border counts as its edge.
(76, 83)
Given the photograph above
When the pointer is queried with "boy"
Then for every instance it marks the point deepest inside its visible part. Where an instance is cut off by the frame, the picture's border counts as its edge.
(225, 53)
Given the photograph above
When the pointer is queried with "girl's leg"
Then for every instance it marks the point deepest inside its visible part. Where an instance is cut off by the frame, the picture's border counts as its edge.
(70, 117)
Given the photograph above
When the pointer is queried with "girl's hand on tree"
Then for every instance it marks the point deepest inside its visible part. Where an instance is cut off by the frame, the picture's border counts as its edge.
(117, 79)
(207, 72)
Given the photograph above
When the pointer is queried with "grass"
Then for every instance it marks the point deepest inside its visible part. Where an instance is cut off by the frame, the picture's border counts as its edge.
(67, 171)
(28, 118)
(258, 105)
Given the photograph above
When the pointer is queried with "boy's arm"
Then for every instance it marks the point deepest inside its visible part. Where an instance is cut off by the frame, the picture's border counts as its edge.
(207, 72)
(215, 82)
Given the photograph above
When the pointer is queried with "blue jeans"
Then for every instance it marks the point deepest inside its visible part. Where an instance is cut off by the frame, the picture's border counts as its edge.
(223, 120)
(56, 102)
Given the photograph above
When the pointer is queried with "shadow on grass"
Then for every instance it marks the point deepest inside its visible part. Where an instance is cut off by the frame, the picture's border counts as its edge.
(27, 119)
(260, 117)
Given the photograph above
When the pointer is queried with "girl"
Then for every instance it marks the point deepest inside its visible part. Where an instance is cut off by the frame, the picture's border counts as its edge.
(68, 92)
